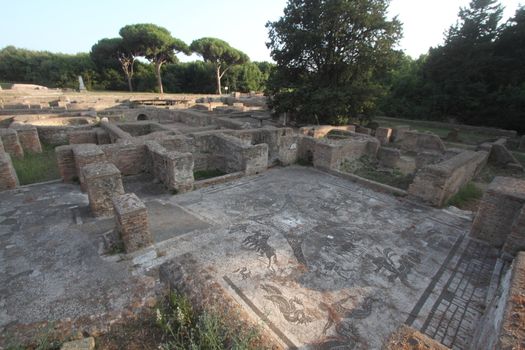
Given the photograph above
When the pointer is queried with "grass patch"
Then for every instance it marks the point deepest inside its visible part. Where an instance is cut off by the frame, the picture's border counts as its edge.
(367, 169)
(207, 174)
(466, 196)
(37, 167)
(183, 328)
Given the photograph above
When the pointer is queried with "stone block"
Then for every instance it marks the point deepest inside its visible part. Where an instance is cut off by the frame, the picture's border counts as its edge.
(406, 165)
(66, 163)
(28, 137)
(8, 177)
(388, 157)
(500, 206)
(362, 130)
(102, 182)
(11, 142)
(399, 131)
(437, 183)
(132, 222)
(500, 155)
(82, 344)
(86, 154)
(384, 135)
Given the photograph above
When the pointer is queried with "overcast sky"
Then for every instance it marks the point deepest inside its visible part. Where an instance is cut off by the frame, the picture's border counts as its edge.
(72, 26)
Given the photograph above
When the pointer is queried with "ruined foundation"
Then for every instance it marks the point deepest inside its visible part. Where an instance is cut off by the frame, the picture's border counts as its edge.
(8, 178)
(102, 182)
(132, 222)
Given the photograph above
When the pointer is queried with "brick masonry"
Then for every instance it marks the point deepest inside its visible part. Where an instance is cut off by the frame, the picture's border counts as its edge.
(516, 240)
(173, 169)
(82, 136)
(11, 143)
(8, 178)
(499, 208)
(102, 181)
(384, 135)
(66, 163)
(28, 137)
(132, 222)
(86, 154)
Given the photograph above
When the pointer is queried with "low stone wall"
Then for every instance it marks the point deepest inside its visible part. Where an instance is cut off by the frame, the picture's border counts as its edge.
(83, 136)
(115, 133)
(502, 325)
(102, 182)
(66, 163)
(11, 143)
(8, 178)
(173, 169)
(415, 141)
(516, 240)
(437, 183)
(500, 207)
(58, 135)
(132, 222)
(28, 137)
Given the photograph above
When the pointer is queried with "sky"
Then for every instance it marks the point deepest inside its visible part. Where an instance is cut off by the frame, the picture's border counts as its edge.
(71, 26)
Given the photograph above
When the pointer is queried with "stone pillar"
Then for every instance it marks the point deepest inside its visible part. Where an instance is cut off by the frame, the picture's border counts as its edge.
(180, 171)
(383, 135)
(8, 178)
(11, 143)
(102, 137)
(103, 182)
(498, 210)
(132, 222)
(86, 154)
(28, 137)
(66, 163)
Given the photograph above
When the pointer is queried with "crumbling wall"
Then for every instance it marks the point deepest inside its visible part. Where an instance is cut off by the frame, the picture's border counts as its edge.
(319, 131)
(415, 141)
(128, 157)
(8, 177)
(28, 137)
(57, 135)
(131, 216)
(437, 183)
(499, 208)
(11, 143)
(83, 136)
(115, 133)
(102, 182)
(173, 169)
(86, 154)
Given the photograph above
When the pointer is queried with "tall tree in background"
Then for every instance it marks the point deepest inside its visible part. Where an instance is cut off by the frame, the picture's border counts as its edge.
(106, 51)
(220, 53)
(154, 43)
(330, 55)
(459, 69)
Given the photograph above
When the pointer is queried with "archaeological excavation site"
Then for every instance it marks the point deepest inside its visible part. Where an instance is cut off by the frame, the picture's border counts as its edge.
(318, 237)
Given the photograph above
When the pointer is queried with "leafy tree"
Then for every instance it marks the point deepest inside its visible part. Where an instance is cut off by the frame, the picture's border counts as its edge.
(220, 53)
(330, 56)
(154, 43)
(106, 52)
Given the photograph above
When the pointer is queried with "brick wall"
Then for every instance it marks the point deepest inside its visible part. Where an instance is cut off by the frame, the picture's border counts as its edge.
(102, 182)
(66, 163)
(128, 157)
(83, 136)
(437, 183)
(28, 137)
(132, 222)
(8, 178)
(11, 143)
(86, 154)
(173, 169)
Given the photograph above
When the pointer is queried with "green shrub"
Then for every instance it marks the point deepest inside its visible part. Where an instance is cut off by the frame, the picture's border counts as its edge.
(466, 195)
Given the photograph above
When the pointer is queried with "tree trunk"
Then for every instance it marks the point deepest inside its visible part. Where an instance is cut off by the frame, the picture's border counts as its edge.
(128, 72)
(219, 91)
(130, 86)
(159, 79)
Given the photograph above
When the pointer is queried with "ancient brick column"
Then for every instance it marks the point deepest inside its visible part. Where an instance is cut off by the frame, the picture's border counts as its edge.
(383, 135)
(66, 163)
(499, 209)
(102, 182)
(8, 178)
(11, 143)
(86, 154)
(132, 222)
(28, 137)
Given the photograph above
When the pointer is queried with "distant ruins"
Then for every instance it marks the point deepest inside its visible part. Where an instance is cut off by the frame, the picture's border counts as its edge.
(321, 256)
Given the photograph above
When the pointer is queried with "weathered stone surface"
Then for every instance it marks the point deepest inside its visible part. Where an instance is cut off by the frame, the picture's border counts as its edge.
(1, 146)
(388, 157)
(436, 183)
(86, 154)
(362, 130)
(522, 143)
(501, 156)
(319, 131)
(173, 169)
(132, 222)
(384, 135)
(128, 157)
(415, 141)
(516, 239)
(103, 182)
(82, 344)
(499, 208)
(28, 137)
(8, 177)
(399, 131)
(11, 142)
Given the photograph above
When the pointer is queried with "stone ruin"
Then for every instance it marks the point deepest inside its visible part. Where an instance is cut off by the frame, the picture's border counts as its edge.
(318, 260)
